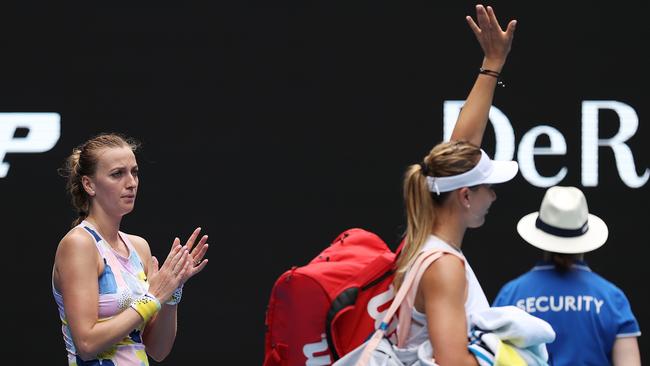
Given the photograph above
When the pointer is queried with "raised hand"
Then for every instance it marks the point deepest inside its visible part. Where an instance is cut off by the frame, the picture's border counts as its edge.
(496, 44)
(197, 263)
(494, 41)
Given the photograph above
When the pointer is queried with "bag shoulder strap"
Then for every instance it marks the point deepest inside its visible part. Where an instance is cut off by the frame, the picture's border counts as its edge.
(421, 263)
(405, 311)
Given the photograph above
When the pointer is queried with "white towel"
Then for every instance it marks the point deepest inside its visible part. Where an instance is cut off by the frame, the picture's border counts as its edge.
(527, 334)
(499, 336)
(513, 325)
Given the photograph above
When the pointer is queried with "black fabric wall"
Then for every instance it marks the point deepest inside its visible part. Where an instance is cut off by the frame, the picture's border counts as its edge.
(275, 126)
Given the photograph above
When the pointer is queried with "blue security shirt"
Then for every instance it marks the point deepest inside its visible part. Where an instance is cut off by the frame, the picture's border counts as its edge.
(586, 311)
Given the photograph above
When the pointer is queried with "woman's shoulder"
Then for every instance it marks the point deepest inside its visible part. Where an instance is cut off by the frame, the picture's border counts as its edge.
(136, 240)
(77, 237)
(445, 275)
(447, 267)
(139, 243)
(77, 241)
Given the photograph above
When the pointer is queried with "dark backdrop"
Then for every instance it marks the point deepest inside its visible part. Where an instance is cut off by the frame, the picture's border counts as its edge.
(276, 125)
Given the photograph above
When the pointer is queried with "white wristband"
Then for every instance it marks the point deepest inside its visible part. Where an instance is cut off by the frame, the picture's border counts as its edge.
(176, 296)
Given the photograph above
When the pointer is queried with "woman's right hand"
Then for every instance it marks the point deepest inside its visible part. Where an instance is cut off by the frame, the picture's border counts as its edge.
(164, 280)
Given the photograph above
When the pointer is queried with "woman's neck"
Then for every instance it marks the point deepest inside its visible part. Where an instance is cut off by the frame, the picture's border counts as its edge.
(449, 228)
(454, 240)
(108, 226)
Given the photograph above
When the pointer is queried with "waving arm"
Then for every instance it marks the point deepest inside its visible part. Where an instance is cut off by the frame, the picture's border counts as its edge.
(496, 45)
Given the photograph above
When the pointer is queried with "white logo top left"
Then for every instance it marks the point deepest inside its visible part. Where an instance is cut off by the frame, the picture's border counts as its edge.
(43, 131)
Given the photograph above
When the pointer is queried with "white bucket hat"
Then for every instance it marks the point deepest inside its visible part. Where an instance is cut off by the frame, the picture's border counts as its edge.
(486, 171)
(563, 223)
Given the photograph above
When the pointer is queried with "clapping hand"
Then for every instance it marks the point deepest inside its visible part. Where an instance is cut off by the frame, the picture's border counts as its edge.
(196, 254)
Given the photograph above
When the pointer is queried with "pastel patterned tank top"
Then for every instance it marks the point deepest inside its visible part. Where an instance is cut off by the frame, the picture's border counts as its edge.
(122, 281)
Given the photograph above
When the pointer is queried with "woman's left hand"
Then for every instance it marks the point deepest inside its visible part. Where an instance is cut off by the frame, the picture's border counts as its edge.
(197, 262)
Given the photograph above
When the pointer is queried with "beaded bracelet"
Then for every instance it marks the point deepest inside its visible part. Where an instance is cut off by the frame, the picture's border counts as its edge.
(146, 305)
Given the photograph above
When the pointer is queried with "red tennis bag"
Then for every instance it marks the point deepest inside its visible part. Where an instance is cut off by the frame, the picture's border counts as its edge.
(321, 311)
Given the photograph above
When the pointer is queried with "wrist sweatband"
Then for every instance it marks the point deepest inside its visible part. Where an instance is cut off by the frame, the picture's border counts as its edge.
(146, 305)
(176, 296)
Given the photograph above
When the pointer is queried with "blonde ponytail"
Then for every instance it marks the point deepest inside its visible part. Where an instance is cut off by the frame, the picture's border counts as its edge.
(419, 217)
(445, 159)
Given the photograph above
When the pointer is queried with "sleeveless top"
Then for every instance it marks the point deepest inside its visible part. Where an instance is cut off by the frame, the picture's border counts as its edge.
(476, 299)
(122, 281)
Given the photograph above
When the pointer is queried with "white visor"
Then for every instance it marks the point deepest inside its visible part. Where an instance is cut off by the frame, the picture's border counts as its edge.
(487, 171)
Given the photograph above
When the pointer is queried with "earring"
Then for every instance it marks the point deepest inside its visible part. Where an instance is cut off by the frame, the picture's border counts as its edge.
(467, 205)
